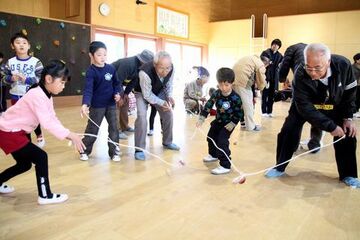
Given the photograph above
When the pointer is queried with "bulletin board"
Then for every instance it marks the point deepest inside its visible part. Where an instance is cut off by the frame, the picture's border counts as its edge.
(51, 39)
(171, 23)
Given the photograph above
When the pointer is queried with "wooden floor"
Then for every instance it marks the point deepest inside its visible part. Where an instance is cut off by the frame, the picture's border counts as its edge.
(136, 200)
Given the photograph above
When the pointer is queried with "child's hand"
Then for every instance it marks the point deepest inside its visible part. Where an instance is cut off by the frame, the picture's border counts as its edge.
(84, 110)
(117, 97)
(22, 77)
(76, 140)
(15, 77)
(230, 126)
(200, 121)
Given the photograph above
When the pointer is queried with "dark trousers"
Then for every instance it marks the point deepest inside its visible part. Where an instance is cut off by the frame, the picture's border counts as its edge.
(24, 158)
(3, 105)
(97, 115)
(267, 98)
(315, 137)
(221, 137)
(152, 117)
(357, 101)
(289, 137)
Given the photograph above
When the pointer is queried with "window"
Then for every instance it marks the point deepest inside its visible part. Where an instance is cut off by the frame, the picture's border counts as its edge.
(184, 57)
(114, 44)
(136, 45)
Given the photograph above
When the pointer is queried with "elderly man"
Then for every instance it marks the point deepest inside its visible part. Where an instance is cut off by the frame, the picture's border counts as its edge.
(193, 92)
(155, 87)
(324, 95)
(127, 71)
(249, 70)
(293, 58)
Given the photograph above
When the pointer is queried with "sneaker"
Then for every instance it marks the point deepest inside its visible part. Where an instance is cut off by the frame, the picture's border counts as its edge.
(40, 142)
(273, 173)
(256, 128)
(56, 198)
(84, 157)
(242, 125)
(264, 115)
(271, 115)
(130, 129)
(172, 146)
(209, 158)
(122, 135)
(357, 115)
(140, 156)
(352, 182)
(116, 158)
(4, 188)
(220, 170)
(150, 133)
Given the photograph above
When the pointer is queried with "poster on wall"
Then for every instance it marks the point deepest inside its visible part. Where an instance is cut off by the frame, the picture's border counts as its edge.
(171, 22)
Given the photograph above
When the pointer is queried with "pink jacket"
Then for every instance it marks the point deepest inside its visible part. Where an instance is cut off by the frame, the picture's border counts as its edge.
(33, 108)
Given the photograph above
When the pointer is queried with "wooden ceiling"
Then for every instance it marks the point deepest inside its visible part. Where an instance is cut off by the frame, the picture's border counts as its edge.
(221, 10)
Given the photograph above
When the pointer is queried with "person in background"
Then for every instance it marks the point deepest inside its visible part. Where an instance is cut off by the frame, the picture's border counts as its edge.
(193, 91)
(3, 105)
(356, 70)
(21, 72)
(127, 72)
(249, 70)
(267, 98)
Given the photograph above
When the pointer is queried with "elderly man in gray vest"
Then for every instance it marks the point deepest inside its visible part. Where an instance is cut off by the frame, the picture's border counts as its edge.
(155, 87)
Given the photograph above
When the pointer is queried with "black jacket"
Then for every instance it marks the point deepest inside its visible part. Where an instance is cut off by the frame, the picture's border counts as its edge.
(341, 90)
(127, 71)
(275, 59)
(293, 57)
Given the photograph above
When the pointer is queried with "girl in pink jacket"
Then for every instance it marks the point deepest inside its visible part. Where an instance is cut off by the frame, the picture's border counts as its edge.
(34, 108)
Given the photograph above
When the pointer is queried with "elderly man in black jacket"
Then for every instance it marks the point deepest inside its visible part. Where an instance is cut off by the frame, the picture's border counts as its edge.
(324, 95)
(293, 58)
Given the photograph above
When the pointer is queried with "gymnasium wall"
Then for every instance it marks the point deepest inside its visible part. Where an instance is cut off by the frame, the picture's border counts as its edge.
(230, 40)
(126, 15)
(51, 39)
(26, 7)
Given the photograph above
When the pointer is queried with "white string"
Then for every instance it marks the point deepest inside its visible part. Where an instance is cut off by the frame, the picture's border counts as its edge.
(242, 175)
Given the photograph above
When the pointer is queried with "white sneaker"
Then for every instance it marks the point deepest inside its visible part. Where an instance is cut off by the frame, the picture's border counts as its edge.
(271, 115)
(123, 136)
(265, 115)
(304, 144)
(57, 198)
(4, 188)
(209, 158)
(84, 157)
(150, 133)
(220, 170)
(116, 158)
(40, 142)
(357, 115)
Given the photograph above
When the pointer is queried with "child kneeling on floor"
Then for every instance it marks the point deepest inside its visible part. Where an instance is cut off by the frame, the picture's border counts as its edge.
(228, 113)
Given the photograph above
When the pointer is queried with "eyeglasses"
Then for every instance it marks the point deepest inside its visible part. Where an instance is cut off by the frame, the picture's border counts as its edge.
(168, 69)
(315, 69)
